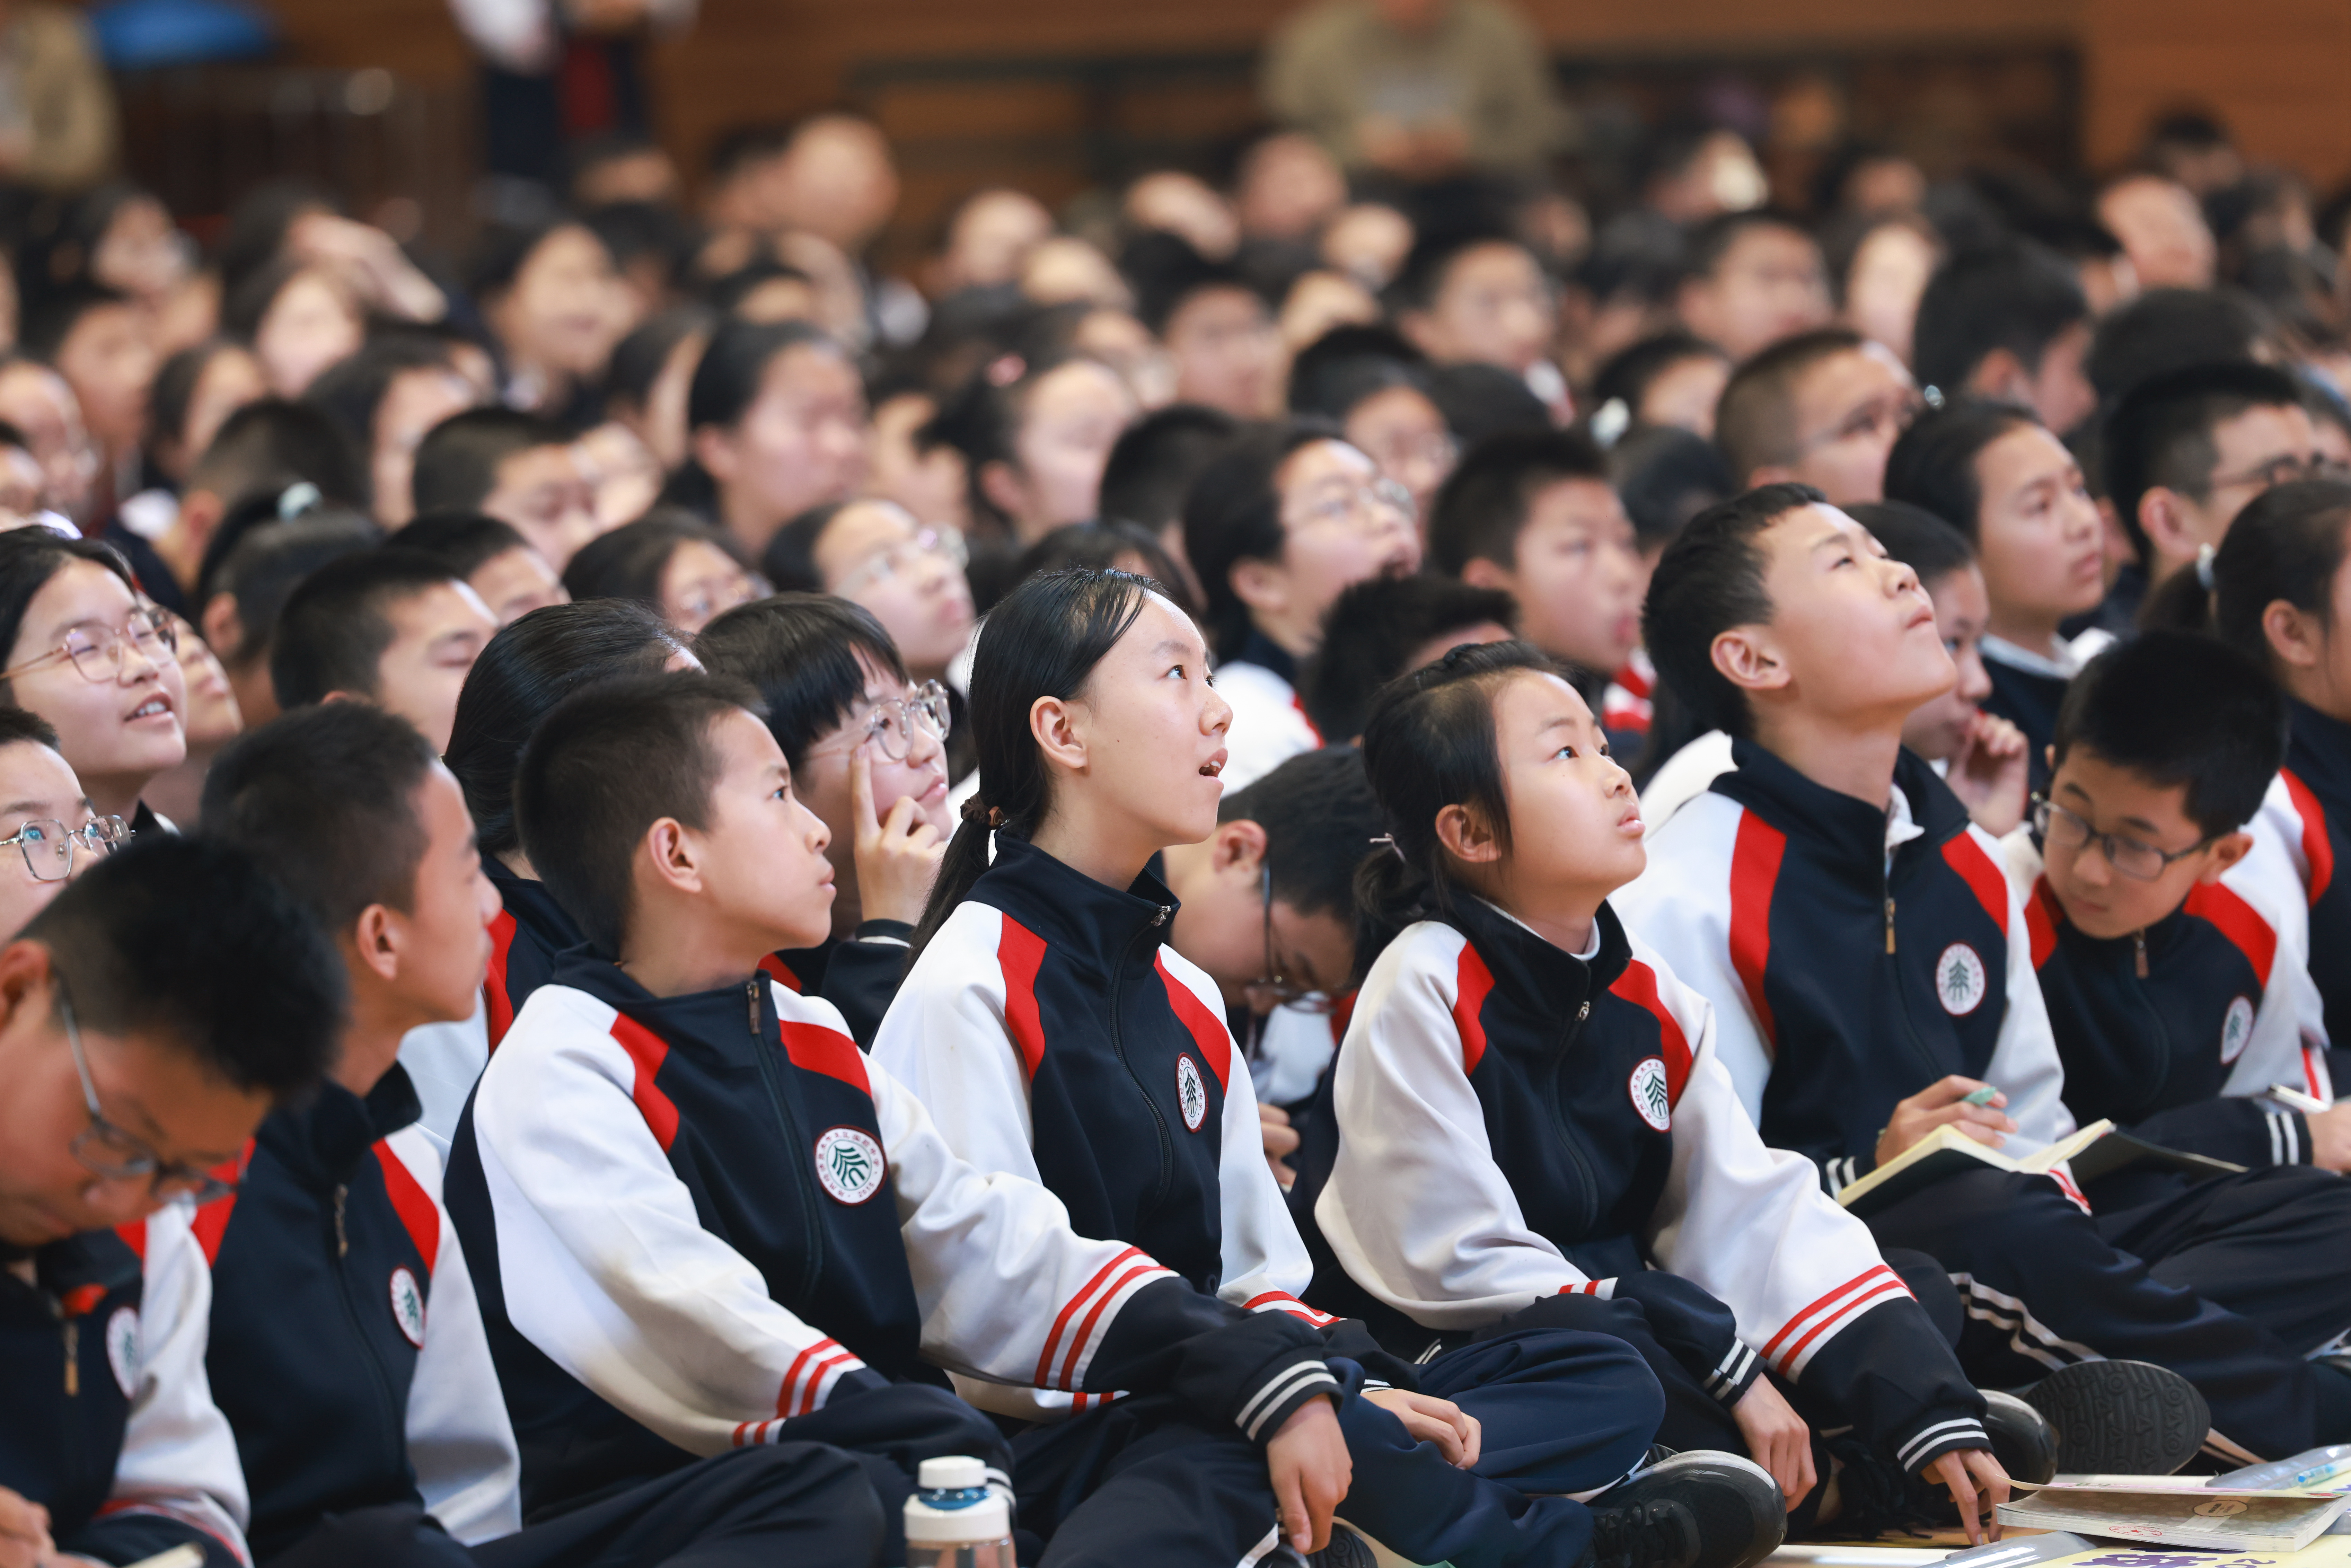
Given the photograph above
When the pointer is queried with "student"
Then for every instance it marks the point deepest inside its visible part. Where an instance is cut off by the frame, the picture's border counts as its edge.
(1752, 279)
(98, 340)
(1479, 297)
(300, 315)
(249, 585)
(1277, 527)
(36, 400)
(1454, 1199)
(211, 720)
(390, 627)
(380, 1436)
(1034, 447)
(615, 1109)
(1997, 475)
(1672, 378)
(1375, 385)
(195, 392)
(2170, 329)
(385, 399)
(149, 1016)
(2170, 991)
(88, 653)
(669, 559)
(515, 466)
(1384, 626)
(1214, 322)
(1057, 1041)
(49, 821)
(490, 556)
(2008, 322)
(552, 294)
(1822, 408)
(1831, 894)
(777, 419)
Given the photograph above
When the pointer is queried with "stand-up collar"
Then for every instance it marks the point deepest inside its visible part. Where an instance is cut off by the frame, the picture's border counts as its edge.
(2321, 754)
(323, 1142)
(533, 907)
(1853, 835)
(1076, 915)
(1259, 649)
(719, 1022)
(1535, 973)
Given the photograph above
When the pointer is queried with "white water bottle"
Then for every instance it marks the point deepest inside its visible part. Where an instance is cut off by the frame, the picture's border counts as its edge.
(954, 1520)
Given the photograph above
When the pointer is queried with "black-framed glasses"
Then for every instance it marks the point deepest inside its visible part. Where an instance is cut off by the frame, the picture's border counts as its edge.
(100, 652)
(48, 845)
(2283, 469)
(1274, 989)
(2061, 829)
(894, 721)
(106, 1150)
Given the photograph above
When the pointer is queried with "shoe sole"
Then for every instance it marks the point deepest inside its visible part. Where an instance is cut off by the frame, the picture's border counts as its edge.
(2122, 1417)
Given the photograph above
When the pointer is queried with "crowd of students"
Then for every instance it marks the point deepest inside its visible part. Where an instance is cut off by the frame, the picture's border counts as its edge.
(1269, 867)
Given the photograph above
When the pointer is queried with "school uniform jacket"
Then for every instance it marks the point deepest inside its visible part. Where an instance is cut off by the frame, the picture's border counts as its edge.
(347, 1345)
(106, 1417)
(696, 1218)
(1056, 1037)
(1853, 955)
(2174, 1030)
(529, 930)
(859, 977)
(2302, 838)
(1269, 721)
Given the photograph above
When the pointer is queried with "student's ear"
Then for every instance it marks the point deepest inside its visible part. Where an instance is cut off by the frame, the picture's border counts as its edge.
(1744, 657)
(1002, 487)
(2227, 851)
(1054, 728)
(1262, 585)
(673, 855)
(1238, 848)
(200, 514)
(1493, 574)
(23, 969)
(223, 631)
(714, 450)
(1466, 836)
(2295, 638)
(2169, 526)
(375, 942)
(2001, 376)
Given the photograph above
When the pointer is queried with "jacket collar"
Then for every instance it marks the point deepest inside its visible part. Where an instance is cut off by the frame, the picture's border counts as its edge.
(715, 1023)
(323, 1143)
(533, 907)
(1853, 835)
(1075, 914)
(1535, 973)
(78, 1271)
(1259, 649)
(2320, 755)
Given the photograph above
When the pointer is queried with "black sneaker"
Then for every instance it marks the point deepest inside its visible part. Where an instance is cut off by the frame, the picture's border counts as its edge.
(1346, 1550)
(1697, 1510)
(2022, 1440)
(2122, 1417)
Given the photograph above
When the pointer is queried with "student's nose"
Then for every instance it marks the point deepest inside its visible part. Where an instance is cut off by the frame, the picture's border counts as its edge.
(1217, 717)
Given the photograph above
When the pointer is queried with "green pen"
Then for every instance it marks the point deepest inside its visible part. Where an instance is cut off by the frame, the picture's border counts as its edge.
(1983, 1096)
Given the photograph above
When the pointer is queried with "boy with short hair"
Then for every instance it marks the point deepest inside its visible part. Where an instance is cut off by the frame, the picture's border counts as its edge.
(1382, 627)
(2008, 321)
(391, 627)
(245, 592)
(1823, 408)
(492, 558)
(1750, 279)
(1871, 977)
(1479, 297)
(514, 466)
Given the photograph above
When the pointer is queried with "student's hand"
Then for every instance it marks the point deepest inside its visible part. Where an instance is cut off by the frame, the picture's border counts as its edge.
(1991, 772)
(1280, 1141)
(2330, 1136)
(1975, 1480)
(1941, 1103)
(25, 1530)
(1777, 1439)
(897, 859)
(1308, 1461)
(1455, 1431)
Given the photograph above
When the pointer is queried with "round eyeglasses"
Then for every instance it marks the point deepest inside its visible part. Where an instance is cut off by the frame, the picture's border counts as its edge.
(48, 845)
(2061, 829)
(894, 721)
(100, 653)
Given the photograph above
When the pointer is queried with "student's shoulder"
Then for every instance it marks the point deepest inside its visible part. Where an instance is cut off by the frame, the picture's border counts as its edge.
(551, 1029)
(793, 1008)
(972, 945)
(1425, 954)
(1198, 982)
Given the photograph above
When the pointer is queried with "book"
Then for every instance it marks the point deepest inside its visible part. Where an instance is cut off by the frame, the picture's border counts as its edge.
(2090, 1153)
(2065, 1549)
(2176, 1511)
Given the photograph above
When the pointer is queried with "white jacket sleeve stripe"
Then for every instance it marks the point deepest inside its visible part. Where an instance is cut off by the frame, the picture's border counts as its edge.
(1830, 1312)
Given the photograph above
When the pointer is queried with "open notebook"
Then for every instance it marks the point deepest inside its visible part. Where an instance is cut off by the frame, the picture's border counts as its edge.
(2089, 1154)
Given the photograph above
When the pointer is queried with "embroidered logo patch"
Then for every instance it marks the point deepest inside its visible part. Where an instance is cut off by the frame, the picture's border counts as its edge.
(849, 1164)
(122, 1349)
(1959, 983)
(1651, 1097)
(408, 1306)
(1190, 1093)
(2236, 1030)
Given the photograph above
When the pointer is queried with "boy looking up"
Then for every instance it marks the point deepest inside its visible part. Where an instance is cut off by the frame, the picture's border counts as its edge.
(1753, 279)
(515, 466)
(391, 627)
(1822, 408)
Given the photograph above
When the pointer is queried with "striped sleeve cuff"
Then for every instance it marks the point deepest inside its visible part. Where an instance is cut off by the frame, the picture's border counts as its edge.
(2287, 1145)
(1838, 1175)
(1935, 1439)
(1735, 1374)
(1293, 1385)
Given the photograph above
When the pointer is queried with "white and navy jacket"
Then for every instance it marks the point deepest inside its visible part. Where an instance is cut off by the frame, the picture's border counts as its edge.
(1269, 723)
(347, 1346)
(1057, 1037)
(2300, 838)
(696, 1218)
(2175, 1030)
(109, 1422)
(859, 974)
(1516, 1123)
(1853, 955)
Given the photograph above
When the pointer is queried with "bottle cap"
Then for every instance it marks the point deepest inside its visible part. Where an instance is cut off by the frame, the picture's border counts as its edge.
(951, 1472)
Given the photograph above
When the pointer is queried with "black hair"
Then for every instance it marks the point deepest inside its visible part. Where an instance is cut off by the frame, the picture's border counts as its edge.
(1234, 514)
(505, 249)
(2167, 330)
(628, 561)
(192, 942)
(789, 560)
(1755, 420)
(1043, 639)
(1628, 374)
(1665, 475)
(1430, 264)
(280, 440)
(631, 230)
(727, 294)
(262, 569)
(1373, 627)
(639, 358)
(1484, 502)
(462, 541)
(174, 390)
(350, 391)
(1349, 364)
(19, 725)
(2161, 432)
(1319, 817)
(738, 147)
(335, 625)
(247, 306)
(1480, 401)
(1712, 240)
(457, 461)
(982, 420)
(2288, 544)
(1916, 537)
(258, 225)
(1154, 460)
(1709, 579)
(1103, 544)
(606, 764)
(2174, 709)
(58, 311)
(522, 674)
(2017, 296)
(264, 511)
(325, 797)
(806, 653)
(1933, 463)
(1166, 272)
(727, 383)
(30, 558)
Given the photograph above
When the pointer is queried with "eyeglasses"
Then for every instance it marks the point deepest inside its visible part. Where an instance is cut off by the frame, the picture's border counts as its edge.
(894, 722)
(1274, 990)
(48, 845)
(2061, 829)
(2282, 469)
(1369, 508)
(100, 652)
(108, 1151)
(943, 544)
(1887, 416)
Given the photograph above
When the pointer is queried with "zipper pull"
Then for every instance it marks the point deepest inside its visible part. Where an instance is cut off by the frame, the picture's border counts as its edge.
(1584, 1012)
(1889, 922)
(2138, 939)
(342, 1237)
(1160, 918)
(751, 1001)
(73, 1358)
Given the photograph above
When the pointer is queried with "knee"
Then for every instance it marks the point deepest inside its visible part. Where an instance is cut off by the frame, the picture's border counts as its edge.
(792, 1482)
(397, 1536)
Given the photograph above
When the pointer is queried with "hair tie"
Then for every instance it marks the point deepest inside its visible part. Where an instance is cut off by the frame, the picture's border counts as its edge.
(2204, 554)
(1389, 839)
(975, 809)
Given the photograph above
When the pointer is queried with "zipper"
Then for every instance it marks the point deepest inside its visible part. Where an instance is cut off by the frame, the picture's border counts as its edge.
(343, 1236)
(1587, 1183)
(2138, 941)
(73, 1358)
(395, 1422)
(1118, 1044)
(1901, 993)
(1889, 922)
(812, 1268)
(2156, 1033)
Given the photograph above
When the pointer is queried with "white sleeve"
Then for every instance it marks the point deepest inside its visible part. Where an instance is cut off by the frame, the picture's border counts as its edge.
(1685, 776)
(947, 1041)
(2274, 876)
(2024, 1064)
(178, 1457)
(459, 1439)
(518, 35)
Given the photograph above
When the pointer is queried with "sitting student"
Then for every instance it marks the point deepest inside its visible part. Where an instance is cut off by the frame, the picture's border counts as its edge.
(875, 555)
(2170, 991)
(1060, 1041)
(2008, 322)
(385, 399)
(515, 466)
(390, 627)
(1034, 445)
(489, 557)
(1822, 408)
(1386, 625)
(1479, 297)
(1277, 527)
(1153, 463)
(1671, 379)
(1375, 385)
(141, 1045)
(1453, 1199)
(351, 811)
(1780, 620)
(2170, 329)
(1995, 473)
(1750, 279)
(243, 593)
(670, 561)
(48, 819)
(1220, 338)
(867, 749)
(610, 1146)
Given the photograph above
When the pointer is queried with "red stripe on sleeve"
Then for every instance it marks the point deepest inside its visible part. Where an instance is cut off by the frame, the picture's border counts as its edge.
(1053, 1339)
(1983, 879)
(1312, 729)
(495, 996)
(1207, 1028)
(2239, 922)
(415, 1207)
(1638, 984)
(1020, 952)
(1754, 874)
(816, 1048)
(776, 969)
(2317, 848)
(2042, 914)
(648, 1050)
(1471, 982)
(1866, 1278)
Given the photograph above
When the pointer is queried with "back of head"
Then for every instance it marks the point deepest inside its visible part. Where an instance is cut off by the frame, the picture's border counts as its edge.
(457, 461)
(525, 671)
(2286, 547)
(628, 562)
(809, 657)
(337, 622)
(1916, 537)
(263, 509)
(350, 391)
(462, 541)
(1374, 629)
(265, 566)
(1319, 818)
(1480, 401)
(1154, 461)
(326, 797)
(2016, 296)
(2165, 329)
(275, 439)
(1711, 580)
(2161, 432)
(2174, 709)
(1933, 464)
(1755, 422)
(1665, 475)
(1350, 363)
(1484, 502)
(1234, 514)
(192, 942)
(606, 764)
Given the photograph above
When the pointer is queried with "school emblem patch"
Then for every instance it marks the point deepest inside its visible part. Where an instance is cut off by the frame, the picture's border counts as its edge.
(122, 1349)
(1190, 1093)
(2236, 1030)
(849, 1165)
(408, 1307)
(1651, 1096)
(1959, 982)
